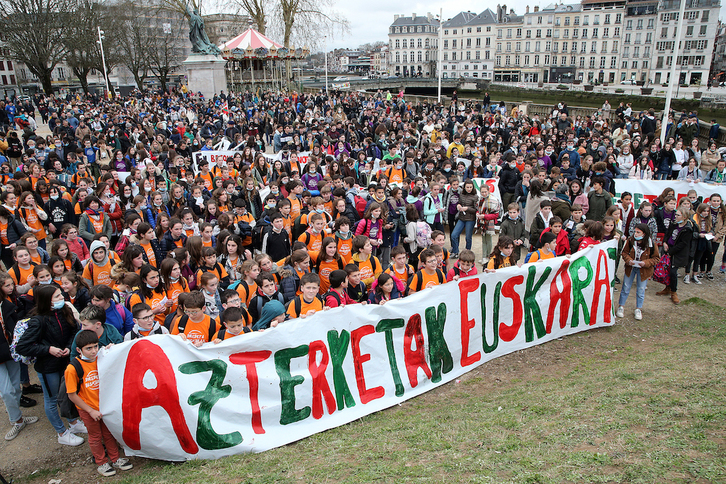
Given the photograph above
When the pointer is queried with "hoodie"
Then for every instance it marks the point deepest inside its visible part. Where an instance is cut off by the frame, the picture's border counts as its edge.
(98, 272)
(270, 311)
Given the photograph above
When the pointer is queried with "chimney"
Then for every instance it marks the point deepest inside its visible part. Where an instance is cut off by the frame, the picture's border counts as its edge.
(526, 10)
(536, 8)
(413, 16)
(504, 10)
(511, 11)
(395, 17)
(429, 16)
(499, 13)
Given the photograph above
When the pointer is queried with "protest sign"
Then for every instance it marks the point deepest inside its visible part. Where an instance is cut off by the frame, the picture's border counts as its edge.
(163, 398)
(651, 189)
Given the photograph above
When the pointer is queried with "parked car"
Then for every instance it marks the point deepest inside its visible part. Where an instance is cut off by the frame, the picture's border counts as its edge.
(631, 82)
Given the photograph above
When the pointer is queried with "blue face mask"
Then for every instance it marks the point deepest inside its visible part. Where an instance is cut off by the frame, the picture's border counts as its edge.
(638, 238)
(59, 304)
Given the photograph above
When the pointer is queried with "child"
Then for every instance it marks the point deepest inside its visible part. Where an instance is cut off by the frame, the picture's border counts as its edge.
(386, 288)
(563, 241)
(276, 240)
(501, 256)
(439, 238)
(98, 269)
(326, 261)
(60, 249)
(702, 226)
(172, 281)
(313, 236)
(76, 290)
(487, 216)
(266, 292)
(144, 323)
(640, 255)
(82, 386)
(93, 318)
(272, 315)
(235, 323)
(512, 226)
(427, 277)
(338, 295)
(540, 223)
(399, 267)
(296, 266)
(57, 268)
(356, 288)
(371, 225)
(645, 216)
(549, 244)
(576, 217)
(195, 325)
(344, 238)
(22, 270)
(209, 264)
(248, 286)
(464, 267)
(368, 264)
(593, 234)
(209, 285)
(308, 303)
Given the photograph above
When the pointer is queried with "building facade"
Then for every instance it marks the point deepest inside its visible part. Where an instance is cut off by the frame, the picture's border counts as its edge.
(467, 40)
(413, 43)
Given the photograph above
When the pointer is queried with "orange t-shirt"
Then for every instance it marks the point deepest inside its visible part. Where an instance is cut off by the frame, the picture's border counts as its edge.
(149, 253)
(99, 275)
(176, 288)
(326, 267)
(217, 270)
(246, 291)
(287, 223)
(313, 241)
(4, 233)
(78, 208)
(540, 255)
(305, 306)
(24, 273)
(86, 389)
(156, 301)
(207, 243)
(31, 218)
(207, 180)
(367, 273)
(345, 249)
(228, 335)
(197, 332)
(295, 207)
(428, 281)
(36, 258)
(97, 222)
(402, 276)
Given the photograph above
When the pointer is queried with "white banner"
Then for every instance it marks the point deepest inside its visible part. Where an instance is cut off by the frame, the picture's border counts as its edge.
(212, 156)
(163, 398)
(651, 189)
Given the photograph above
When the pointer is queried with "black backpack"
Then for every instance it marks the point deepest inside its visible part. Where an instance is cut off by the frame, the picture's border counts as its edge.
(419, 279)
(65, 406)
(212, 326)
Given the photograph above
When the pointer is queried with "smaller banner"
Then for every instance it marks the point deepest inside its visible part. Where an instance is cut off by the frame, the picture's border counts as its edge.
(651, 189)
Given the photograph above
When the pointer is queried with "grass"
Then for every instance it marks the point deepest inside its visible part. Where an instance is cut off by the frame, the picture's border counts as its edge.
(641, 403)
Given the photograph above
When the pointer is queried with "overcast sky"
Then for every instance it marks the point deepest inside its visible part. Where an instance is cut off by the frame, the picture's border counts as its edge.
(370, 20)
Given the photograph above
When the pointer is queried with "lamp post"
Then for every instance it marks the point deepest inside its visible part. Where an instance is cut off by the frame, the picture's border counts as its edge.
(325, 53)
(440, 51)
(103, 59)
(669, 94)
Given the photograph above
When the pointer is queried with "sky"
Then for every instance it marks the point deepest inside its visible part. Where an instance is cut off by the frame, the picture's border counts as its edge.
(370, 20)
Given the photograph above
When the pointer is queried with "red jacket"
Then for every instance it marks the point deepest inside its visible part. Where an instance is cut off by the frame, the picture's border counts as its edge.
(563, 242)
(332, 302)
(456, 271)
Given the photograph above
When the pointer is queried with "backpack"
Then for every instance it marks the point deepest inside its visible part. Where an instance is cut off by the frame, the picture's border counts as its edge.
(360, 205)
(529, 256)
(298, 228)
(65, 406)
(16, 270)
(335, 295)
(20, 328)
(423, 234)
(127, 303)
(367, 230)
(185, 319)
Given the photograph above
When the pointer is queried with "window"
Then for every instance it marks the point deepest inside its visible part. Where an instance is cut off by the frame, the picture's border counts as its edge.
(549, 32)
(518, 46)
(398, 44)
(419, 44)
(613, 62)
(602, 62)
(550, 18)
(453, 56)
(594, 33)
(509, 33)
(453, 44)
(582, 62)
(659, 63)
(624, 65)
(651, 23)
(2, 66)
(12, 79)
(626, 51)
(592, 62)
(584, 33)
(635, 64)
(583, 47)
(604, 47)
(499, 46)
(704, 16)
(405, 44)
(478, 30)
(563, 60)
(615, 47)
(499, 60)
(566, 33)
(539, 33)
(478, 42)
(455, 31)
(468, 55)
(626, 41)
(548, 46)
(398, 57)
(636, 52)
(649, 37)
(509, 47)
(664, 33)
(637, 38)
(606, 32)
(468, 43)
(539, 20)
(564, 47)
(646, 51)
(489, 28)
(586, 20)
(554, 60)
(596, 21)
(529, 20)
(567, 20)
(477, 55)
(645, 64)
(468, 30)
(488, 42)
(617, 32)
(446, 32)
(607, 19)
(689, 31)
(527, 46)
(420, 56)
(557, 21)
(536, 46)
(618, 18)
(573, 60)
(526, 60)
(519, 32)
(546, 60)
(703, 30)
(499, 33)
(528, 34)
(486, 54)
(5, 79)
(427, 56)
(691, 15)
(426, 43)
(536, 60)
(577, 21)
(593, 47)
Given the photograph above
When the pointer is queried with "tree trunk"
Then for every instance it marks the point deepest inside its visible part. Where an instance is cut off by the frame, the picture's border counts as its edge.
(82, 75)
(46, 81)
(163, 81)
(139, 81)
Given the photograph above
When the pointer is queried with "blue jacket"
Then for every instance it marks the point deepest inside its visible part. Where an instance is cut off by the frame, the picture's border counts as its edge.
(122, 324)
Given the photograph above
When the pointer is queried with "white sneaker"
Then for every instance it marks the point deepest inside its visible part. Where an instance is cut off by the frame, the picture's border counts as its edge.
(69, 438)
(697, 280)
(123, 464)
(106, 470)
(620, 312)
(79, 427)
(14, 430)
(30, 420)
(638, 314)
(687, 279)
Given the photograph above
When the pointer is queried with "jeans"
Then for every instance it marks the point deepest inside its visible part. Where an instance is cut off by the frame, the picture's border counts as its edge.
(673, 272)
(51, 384)
(662, 175)
(460, 226)
(10, 388)
(487, 244)
(639, 288)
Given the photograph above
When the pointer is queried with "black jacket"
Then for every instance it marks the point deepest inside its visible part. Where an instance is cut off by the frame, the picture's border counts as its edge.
(9, 315)
(60, 212)
(508, 179)
(43, 332)
(681, 249)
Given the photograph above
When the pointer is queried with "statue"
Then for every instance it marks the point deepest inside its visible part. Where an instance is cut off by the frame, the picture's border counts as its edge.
(197, 35)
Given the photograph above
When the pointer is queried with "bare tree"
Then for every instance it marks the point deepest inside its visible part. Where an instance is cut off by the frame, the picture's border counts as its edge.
(35, 30)
(257, 10)
(165, 53)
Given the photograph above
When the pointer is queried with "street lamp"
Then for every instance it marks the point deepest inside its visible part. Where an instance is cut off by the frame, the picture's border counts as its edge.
(325, 53)
(440, 50)
(103, 57)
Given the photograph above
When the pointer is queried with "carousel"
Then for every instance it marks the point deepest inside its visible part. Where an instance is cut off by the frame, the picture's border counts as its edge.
(255, 61)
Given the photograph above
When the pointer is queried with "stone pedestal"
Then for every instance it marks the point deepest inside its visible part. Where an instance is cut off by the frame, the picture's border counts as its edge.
(205, 74)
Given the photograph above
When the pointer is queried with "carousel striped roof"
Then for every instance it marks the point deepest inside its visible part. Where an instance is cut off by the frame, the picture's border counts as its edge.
(250, 38)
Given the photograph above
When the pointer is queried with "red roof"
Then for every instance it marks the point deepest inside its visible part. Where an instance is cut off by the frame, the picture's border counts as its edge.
(249, 38)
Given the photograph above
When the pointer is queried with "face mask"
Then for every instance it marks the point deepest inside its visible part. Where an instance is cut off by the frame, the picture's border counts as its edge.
(173, 279)
(157, 204)
(513, 165)
(150, 287)
(162, 189)
(447, 170)
(90, 360)
(54, 197)
(319, 210)
(143, 207)
(45, 282)
(148, 189)
(59, 304)
(638, 238)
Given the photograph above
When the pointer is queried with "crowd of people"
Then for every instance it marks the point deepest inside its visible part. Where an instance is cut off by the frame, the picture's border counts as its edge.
(113, 229)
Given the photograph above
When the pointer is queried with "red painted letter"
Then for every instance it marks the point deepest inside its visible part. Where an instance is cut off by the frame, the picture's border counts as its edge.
(414, 358)
(602, 281)
(563, 297)
(249, 359)
(146, 356)
(509, 332)
(465, 287)
(366, 394)
(321, 388)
